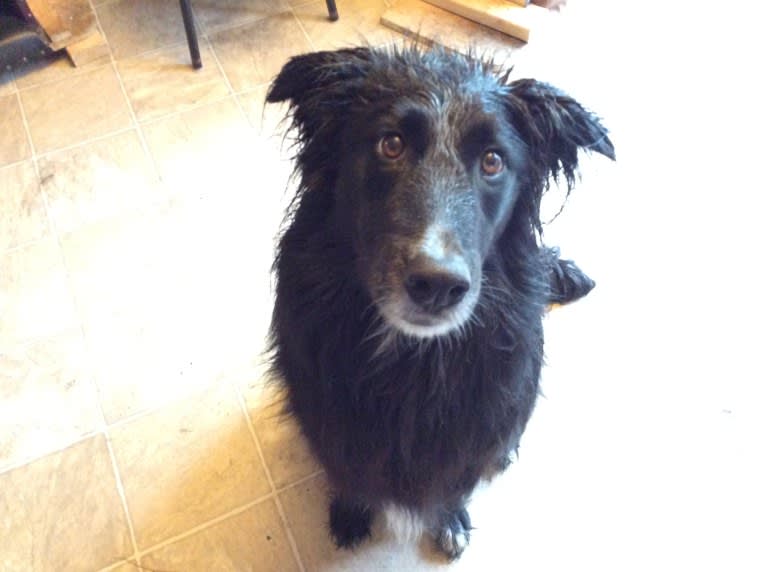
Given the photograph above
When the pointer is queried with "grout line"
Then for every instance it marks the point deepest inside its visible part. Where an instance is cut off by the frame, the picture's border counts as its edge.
(300, 481)
(28, 132)
(161, 405)
(54, 451)
(124, 91)
(248, 20)
(303, 29)
(267, 471)
(141, 137)
(191, 107)
(120, 563)
(123, 497)
(77, 71)
(209, 44)
(207, 524)
(85, 142)
(14, 163)
(121, 131)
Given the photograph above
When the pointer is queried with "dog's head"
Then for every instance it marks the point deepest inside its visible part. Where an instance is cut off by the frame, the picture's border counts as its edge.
(429, 156)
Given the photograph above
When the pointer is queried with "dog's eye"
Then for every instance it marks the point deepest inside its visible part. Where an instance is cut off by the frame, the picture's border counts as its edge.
(391, 146)
(491, 163)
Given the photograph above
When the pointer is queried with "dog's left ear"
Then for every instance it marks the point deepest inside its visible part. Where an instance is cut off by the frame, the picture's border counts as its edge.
(555, 126)
(319, 86)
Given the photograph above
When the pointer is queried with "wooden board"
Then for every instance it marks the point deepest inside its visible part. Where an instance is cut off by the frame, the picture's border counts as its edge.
(92, 48)
(502, 15)
(428, 23)
(49, 19)
(65, 22)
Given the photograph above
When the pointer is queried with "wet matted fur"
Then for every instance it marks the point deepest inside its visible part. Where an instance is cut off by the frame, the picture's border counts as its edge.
(411, 277)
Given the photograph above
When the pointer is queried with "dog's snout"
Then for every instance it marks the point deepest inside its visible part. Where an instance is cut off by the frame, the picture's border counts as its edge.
(436, 286)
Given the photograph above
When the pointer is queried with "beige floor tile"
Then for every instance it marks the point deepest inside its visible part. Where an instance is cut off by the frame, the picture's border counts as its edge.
(47, 397)
(22, 210)
(98, 180)
(146, 326)
(63, 512)
(80, 107)
(54, 67)
(253, 540)
(216, 14)
(253, 54)
(163, 82)
(35, 299)
(269, 120)
(284, 448)
(187, 463)
(135, 27)
(359, 24)
(173, 299)
(14, 145)
(204, 151)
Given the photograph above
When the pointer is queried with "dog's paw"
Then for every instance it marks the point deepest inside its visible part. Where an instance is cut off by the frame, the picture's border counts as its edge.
(349, 523)
(568, 282)
(455, 534)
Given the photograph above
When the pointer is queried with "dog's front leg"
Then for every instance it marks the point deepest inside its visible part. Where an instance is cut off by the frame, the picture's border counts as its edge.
(453, 535)
(350, 521)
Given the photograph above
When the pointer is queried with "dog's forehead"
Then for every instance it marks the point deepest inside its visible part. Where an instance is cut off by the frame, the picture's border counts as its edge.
(443, 111)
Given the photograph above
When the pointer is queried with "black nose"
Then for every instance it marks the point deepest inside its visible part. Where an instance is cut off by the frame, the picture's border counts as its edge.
(436, 290)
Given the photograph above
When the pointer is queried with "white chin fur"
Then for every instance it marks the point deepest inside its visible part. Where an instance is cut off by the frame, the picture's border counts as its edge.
(419, 331)
(405, 525)
(395, 314)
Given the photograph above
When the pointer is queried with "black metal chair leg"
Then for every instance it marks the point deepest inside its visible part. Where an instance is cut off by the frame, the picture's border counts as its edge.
(191, 34)
(332, 9)
(191, 31)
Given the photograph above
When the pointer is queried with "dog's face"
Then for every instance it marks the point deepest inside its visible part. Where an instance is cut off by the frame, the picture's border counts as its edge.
(429, 180)
(428, 154)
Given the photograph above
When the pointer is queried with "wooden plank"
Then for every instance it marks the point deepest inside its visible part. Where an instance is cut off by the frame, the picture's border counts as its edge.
(507, 17)
(64, 21)
(92, 48)
(49, 19)
(428, 23)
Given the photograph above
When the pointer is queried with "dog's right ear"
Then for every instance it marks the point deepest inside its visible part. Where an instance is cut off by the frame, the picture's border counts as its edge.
(556, 126)
(318, 86)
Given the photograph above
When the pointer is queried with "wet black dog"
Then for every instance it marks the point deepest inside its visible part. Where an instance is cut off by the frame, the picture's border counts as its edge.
(411, 280)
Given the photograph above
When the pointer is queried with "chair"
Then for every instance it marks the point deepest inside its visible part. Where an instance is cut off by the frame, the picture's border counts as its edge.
(191, 31)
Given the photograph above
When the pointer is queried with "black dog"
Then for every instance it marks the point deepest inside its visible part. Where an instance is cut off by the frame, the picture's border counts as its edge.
(411, 282)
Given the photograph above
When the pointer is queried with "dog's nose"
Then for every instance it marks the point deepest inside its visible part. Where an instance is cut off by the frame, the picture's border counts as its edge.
(435, 287)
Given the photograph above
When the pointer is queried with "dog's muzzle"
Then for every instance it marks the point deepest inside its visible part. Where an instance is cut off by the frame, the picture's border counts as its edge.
(437, 295)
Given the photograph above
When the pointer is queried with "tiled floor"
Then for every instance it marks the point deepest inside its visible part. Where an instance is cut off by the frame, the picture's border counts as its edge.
(139, 201)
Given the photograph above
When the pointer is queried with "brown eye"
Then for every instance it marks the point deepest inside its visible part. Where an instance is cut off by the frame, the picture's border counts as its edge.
(491, 163)
(391, 146)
